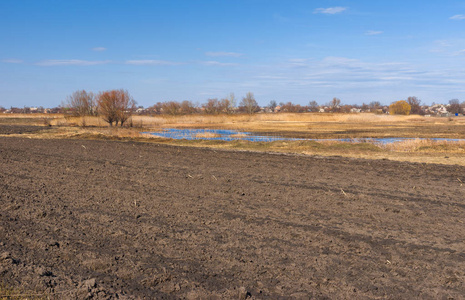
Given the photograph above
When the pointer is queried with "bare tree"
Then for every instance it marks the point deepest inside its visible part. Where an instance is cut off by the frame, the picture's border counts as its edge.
(292, 108)
(335, 105)
(127, 106)
(454, 107)
(228, 104)
(415, 104)
(82, 103)
(171, 108)
(249, 104)
(272, 105)
(374, 105)
(187, 107)
(313, 106)
(212, 107)
(115, 106)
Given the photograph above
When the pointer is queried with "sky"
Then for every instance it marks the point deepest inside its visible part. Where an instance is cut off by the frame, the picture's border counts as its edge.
(282, 50)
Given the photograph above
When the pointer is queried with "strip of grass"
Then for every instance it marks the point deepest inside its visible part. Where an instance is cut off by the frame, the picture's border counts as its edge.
(411, 150)
(7, 293)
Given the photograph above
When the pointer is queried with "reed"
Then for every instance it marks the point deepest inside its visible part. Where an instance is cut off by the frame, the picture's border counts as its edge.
(417, 145)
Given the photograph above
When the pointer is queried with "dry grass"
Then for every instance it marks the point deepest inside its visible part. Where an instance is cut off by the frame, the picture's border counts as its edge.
(307, 125)
(418, 145)
(17, 294)
(207, 135)
(29, 116)
(188, 120)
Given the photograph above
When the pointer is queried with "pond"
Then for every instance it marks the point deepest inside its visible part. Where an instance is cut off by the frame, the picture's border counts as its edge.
(233, 135)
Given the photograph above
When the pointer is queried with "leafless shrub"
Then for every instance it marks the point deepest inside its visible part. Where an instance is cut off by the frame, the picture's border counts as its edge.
(249, 104)
(115, 106)
(81, 103)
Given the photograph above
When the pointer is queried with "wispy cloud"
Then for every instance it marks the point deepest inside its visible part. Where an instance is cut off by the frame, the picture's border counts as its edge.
(441, 46)
(99, 49)
(461, 52)
(298, 62)
(373, 32)
(223, 54)
(330, 10)
(280, 18)
(458, 17)
(448, 48)
(71, 62)
(217, 63)
(333, 74)
(151, 62)
(13, 61)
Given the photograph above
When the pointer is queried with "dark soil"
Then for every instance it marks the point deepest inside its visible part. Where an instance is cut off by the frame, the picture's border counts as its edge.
(20, 129)
(104, 219)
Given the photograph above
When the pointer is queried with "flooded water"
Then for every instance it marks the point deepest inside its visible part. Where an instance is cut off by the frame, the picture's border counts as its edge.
(215, 134)
(232, 135)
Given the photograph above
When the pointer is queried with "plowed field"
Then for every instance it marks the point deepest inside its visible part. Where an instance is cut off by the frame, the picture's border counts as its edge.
(108, 219)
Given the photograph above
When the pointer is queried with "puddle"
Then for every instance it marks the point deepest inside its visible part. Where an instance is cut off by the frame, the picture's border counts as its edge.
(233, 135)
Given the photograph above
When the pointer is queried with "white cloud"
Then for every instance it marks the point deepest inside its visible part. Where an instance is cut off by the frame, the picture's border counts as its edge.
(330, 10)
(298, 62)
(227, 54)
(217, 63)
(71, 62)
(151, 62)
(13, 61)
(99, 49)
(458, 17)
(373, 32)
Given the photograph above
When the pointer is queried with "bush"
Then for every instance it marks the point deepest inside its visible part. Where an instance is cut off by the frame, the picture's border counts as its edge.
(400, 108)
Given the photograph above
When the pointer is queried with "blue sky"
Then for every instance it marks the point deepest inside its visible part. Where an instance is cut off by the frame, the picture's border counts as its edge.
(288, 50)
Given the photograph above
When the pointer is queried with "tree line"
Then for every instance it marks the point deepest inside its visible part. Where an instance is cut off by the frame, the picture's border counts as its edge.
(212, 106)
(116, 106)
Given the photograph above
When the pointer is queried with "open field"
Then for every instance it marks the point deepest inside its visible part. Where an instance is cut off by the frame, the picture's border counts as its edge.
(311, 125)
(82, 218)
(303, 125)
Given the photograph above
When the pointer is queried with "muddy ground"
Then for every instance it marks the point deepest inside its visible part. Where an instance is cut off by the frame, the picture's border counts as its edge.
(105, 219)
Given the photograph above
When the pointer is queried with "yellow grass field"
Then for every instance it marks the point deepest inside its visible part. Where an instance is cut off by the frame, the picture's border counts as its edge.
(303, 125)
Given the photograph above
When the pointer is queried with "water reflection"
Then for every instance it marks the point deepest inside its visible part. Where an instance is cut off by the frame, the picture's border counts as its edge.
(233, 135)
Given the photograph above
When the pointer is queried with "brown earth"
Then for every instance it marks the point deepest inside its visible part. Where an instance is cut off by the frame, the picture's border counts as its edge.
(21, 129)
(105, 219)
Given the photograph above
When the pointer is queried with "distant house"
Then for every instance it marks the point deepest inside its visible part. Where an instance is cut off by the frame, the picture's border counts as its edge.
(437, 109)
